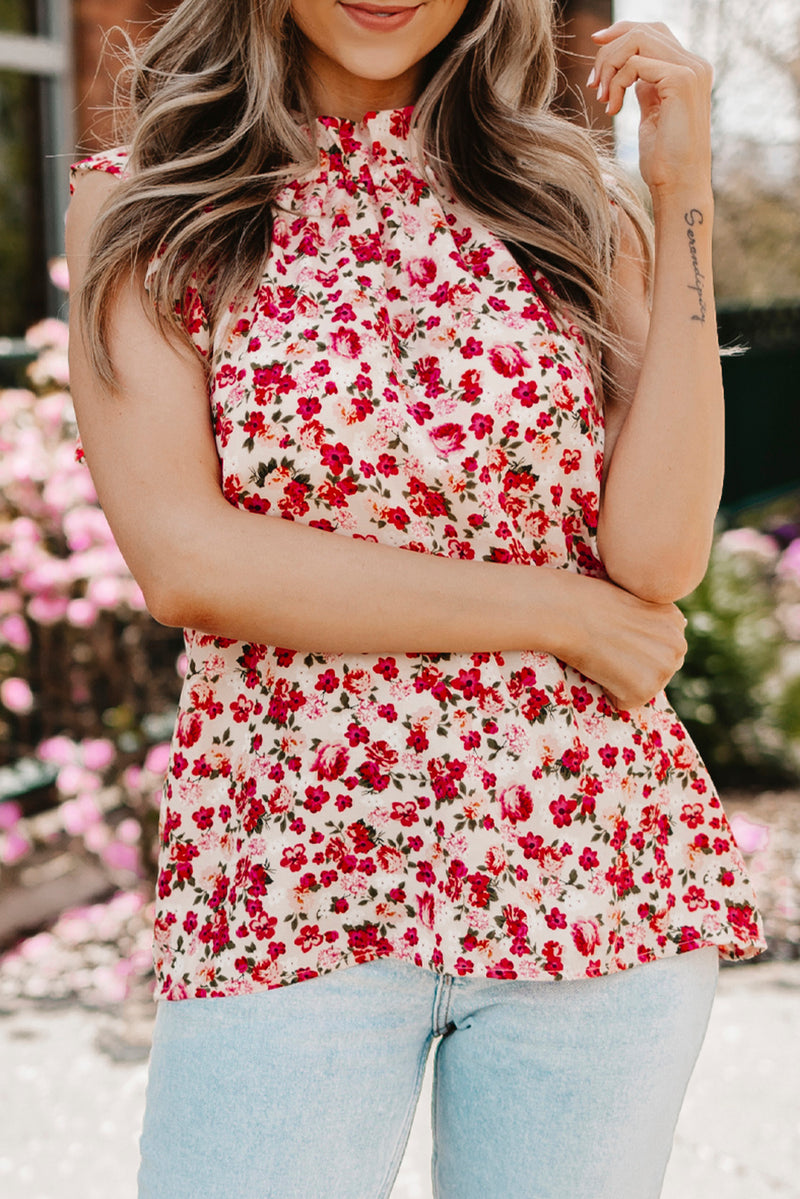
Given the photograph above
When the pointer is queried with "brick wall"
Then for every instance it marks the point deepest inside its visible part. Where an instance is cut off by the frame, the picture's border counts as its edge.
(94, 21)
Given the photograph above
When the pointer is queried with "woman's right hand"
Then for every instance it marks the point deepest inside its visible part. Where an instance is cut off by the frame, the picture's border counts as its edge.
(631, 647)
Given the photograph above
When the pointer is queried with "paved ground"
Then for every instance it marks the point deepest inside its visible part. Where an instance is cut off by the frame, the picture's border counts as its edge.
(73, 1092)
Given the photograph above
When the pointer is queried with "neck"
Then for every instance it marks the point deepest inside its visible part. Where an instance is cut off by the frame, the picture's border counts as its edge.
(335, 92)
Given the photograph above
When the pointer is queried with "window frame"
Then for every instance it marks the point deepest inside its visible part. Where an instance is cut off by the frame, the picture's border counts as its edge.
(47, 56)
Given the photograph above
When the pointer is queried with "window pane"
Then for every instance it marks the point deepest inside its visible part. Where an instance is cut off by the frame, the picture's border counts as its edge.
(18, 16)
(23, 279)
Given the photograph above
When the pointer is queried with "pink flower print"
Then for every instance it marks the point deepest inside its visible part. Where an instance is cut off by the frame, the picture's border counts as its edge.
(508, 361)
(404, 324)
(586, 936)
(692, 814)
(311, 241)
(330, 761)
(337, 457)
(447, 438)
(405, 813)
(309, 938)
(421, 271)
(425, 909)
(526, 393)
(367, 247)
(472, 348)
(390, 858)
(345, 342)
(695, 898)
(481, 424)
(516, 803)
(190, 726)
(562, 809)
(294, 856)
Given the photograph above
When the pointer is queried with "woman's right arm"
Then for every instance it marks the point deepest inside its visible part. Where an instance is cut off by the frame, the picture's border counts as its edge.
(205, 564)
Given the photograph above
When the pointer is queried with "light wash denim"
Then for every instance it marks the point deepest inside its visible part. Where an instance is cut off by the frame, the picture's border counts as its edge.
(542, 1090)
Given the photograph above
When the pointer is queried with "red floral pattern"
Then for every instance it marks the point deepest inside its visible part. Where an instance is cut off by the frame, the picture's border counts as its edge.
(394, 377)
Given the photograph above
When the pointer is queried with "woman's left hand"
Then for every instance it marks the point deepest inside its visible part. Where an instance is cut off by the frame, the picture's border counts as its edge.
(673, 88)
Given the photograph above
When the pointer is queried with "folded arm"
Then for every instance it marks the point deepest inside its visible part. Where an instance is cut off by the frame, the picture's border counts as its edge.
(205, 564)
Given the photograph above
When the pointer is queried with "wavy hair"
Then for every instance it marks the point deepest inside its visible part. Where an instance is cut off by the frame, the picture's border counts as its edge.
(216, 103)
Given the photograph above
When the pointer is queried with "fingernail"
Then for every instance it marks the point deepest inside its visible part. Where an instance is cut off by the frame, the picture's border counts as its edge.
(601, 90)
(591, 80)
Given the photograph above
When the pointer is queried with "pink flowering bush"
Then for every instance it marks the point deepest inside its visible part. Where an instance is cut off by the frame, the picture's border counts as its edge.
(88, 681)
(739, 690)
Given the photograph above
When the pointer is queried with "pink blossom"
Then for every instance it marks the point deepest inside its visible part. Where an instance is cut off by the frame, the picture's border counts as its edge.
(49, 332)
(181, 666)
(14, 847)
(157, 759)
(51, 366)
(750, 835)
(82, 613)
(10, 603)
(129, 831)
(98, 753)
(107, 986)
(48, 609)
(105, 592)
(85, 527)
(78, 815)
(10, 813)
(59, 273)
(119, 856)
(789, 565)
(749, 541)
(97, 837)
(15, 632)
(58, 750)
(16, 696)
(132, 778)
(75, 780)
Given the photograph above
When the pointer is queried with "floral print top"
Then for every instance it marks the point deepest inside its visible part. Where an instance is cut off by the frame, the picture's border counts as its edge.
(395, 377)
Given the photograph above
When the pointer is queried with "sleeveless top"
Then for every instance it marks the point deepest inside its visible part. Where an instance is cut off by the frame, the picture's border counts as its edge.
(395, 377)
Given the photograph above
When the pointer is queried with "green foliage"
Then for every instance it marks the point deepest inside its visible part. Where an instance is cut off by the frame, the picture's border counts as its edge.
(739, 690)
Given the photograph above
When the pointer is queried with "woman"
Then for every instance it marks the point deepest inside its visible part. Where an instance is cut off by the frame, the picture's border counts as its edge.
(437, 793)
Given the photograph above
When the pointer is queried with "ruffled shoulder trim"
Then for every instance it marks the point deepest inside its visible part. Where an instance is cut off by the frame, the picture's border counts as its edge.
(112, 162)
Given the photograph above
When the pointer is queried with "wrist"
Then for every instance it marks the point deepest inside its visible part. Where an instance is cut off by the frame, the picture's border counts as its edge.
(678, 200)
(565, 602)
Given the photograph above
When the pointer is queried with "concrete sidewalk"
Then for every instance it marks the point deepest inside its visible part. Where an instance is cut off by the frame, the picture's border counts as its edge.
(73, 1094)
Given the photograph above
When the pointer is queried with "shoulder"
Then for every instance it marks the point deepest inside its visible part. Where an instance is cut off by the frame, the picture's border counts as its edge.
(93, 182)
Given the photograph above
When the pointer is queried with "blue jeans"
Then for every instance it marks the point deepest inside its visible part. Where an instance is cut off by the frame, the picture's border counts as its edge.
(541, 1090)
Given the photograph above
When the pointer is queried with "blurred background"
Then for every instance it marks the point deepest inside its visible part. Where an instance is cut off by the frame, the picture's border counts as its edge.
(89, 682)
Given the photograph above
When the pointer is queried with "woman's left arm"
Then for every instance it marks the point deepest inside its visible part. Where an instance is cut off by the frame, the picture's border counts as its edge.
(666, 435)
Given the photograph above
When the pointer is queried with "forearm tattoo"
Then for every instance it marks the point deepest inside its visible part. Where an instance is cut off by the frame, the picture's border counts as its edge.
(692, 218)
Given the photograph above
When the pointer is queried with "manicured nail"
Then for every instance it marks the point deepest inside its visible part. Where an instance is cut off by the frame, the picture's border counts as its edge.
(600, 32)
(601, 91)
(591, 79)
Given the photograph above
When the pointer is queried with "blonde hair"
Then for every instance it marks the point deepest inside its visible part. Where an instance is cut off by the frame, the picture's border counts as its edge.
(214, 134)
